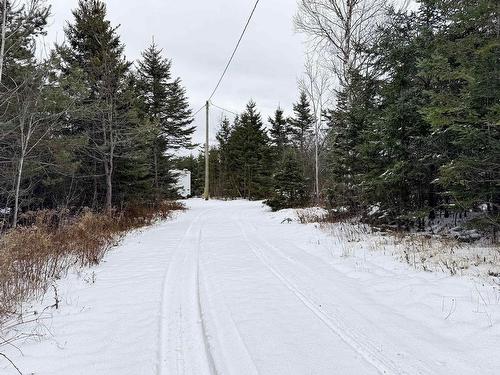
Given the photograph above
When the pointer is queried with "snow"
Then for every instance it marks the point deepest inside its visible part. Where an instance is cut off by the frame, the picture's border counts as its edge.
(231, 288)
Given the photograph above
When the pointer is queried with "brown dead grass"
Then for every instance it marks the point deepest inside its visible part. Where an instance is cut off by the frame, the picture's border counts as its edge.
(51, 242)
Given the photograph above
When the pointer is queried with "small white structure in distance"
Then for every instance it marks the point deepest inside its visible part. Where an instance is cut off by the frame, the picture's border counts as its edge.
(183, 182)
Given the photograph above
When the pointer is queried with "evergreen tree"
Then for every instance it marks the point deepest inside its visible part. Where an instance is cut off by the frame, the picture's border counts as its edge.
(279, 132)
(397, 153)
(223, 136)
(301, 124)
(25, 102)
(249, 155)
(463, 69)
(154, 78)
(25, 22)
(178, 119)
(290, 187)
(345, 166)
(153, 87)
(93, 55)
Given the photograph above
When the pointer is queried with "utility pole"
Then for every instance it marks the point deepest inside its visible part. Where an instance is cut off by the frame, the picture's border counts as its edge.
(207, 156)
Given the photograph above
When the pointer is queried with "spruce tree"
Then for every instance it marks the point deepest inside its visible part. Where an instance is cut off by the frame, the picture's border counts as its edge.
(301, 125)
(290, 187)
(93, 58)
(178, 118)
(464, 110)
(279, 132)
(153, 87)
(398, 155)
(223, 136)
(345, 165)
(249, 155)
(24, 24)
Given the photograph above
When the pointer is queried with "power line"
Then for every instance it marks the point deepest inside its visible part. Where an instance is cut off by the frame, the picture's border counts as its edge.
(198, 111)
(207, 106)
(234, 52)
(223, 109)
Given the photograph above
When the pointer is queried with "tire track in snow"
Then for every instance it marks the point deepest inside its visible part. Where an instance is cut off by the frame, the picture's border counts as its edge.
(172, 287)
(163, 301)
(358, 343)
(230, 351)
(416, 366)
(206, 343)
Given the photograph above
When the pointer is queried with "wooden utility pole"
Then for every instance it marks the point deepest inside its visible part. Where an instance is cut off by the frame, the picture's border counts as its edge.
(207, 155)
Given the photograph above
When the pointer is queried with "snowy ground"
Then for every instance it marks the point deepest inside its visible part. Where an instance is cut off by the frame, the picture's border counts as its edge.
(227, 288)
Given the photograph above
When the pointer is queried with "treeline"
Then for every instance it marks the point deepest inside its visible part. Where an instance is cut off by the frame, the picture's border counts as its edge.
(84, 127)
(413, 132)
(254, 162)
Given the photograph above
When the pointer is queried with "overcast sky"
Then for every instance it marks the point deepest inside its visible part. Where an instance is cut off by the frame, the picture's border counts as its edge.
(199, 36)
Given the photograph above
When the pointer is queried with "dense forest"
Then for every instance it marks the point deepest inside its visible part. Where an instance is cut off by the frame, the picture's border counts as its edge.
(413, 133)
(397, 115)
(84, 127)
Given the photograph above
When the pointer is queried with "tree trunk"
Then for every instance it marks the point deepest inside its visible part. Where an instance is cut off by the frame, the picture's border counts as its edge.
(109, 185)
(2, 43)
(18, 189)
(109, 140)
(156, 182)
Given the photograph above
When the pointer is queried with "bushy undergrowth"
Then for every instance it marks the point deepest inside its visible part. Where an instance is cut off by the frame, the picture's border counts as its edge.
(51, 242)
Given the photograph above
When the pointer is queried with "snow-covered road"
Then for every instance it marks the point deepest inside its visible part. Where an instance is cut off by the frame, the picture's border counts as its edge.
(227, 288)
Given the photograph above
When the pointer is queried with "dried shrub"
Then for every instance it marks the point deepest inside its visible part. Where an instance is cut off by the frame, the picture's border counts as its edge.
(51, 242)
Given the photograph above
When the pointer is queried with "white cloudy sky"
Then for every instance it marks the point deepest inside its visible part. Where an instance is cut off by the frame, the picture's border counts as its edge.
(199, 35)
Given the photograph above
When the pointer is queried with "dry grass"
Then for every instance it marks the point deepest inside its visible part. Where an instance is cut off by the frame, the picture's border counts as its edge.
(46, 246)
(51, 242)
(422, 251)
(316, 215)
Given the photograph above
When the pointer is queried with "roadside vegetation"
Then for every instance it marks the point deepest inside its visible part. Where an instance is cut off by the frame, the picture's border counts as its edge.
(51, 243)
(86, 144)
(443, 248)
(397, 120)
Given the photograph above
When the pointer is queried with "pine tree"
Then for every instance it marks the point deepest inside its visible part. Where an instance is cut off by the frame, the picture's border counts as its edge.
(24, 23)
(154, 78)
(166, 107)
(464, 110)
(290, 187)
(399, 159)
(223, 136)
(249, 155)
(153, 87)
(301, 125)
(93, 56)
(345, 166)
(279, 132)
(178, 118)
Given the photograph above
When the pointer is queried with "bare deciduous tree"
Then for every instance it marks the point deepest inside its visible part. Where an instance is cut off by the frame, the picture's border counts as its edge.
(317, 84)
(32, 123)
(338, 28)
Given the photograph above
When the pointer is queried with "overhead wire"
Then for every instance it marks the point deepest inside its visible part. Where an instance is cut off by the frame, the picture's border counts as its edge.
(198, 111)
(229, 64)
(223, 109)
(234, 51)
